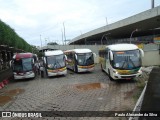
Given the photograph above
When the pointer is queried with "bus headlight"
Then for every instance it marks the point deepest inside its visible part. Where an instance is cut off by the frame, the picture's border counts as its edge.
(115, 71)
(139, 71)
(14, 73)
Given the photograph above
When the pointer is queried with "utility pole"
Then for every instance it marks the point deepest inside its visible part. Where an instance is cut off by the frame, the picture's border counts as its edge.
(64, 33)
(62, 37)
(41, 41)
(106, 21)
(152, 4)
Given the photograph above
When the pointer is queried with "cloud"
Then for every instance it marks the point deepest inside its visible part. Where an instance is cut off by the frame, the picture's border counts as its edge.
(32, 18)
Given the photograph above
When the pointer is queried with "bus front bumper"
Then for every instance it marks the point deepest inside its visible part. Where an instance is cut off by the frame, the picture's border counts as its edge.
(131, 76)
(85, 69)
(25, 76)
(57, 73)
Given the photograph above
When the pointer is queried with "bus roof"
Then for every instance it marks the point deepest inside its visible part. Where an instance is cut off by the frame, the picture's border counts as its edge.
(79, 50)
(123, 47)
(55, 52)
(22, 55)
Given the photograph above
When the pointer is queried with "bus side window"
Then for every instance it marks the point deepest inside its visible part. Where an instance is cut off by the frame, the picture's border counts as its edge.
(111, 61)
(69, 56)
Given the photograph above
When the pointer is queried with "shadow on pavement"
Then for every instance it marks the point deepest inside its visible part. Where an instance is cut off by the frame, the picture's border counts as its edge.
(151, 101)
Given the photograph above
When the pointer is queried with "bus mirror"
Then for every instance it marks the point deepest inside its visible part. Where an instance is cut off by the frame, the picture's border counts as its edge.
(65, 57)
(76, 56)
(33, 60)
(141, 52)
(41, 68)
(111, 55)
(10, 63)
(44, 60)
(94, 54)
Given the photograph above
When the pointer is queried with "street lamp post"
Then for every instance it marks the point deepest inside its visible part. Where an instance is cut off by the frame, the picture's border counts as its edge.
(41, 41)
(132, 34)
(103, 36)
(152, 4)
(62, 37)
(46, 43)
(64, 33)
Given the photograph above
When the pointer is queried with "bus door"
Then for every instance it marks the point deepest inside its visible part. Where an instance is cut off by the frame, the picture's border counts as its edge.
(107, 61)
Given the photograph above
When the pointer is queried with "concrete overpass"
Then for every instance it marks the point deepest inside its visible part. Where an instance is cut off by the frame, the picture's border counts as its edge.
(147, 23)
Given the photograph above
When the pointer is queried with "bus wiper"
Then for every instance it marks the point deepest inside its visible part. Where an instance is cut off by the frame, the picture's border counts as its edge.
(84, 61)
(125, 62)
(88, 60)
(132, 62)
(58, 63)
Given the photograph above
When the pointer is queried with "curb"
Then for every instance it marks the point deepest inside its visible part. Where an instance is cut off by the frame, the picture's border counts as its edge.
(4, 82)
(138, 103)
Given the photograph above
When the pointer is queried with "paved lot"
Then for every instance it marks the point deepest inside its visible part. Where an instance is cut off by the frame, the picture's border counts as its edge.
(73, 92)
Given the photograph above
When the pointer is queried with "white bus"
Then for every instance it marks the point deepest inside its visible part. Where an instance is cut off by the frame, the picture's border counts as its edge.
(80, 60)
(53, 63)
(121, 61)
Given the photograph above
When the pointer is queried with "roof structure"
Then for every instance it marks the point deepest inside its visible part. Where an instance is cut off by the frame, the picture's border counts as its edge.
(79, 50)
(22, 55)
(122, 47)
(147, 23)
(55, 52)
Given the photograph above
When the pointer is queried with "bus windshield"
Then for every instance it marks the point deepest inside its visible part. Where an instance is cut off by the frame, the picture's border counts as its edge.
(85, 59)
(23, 65)
(126, 59)
(56, 61)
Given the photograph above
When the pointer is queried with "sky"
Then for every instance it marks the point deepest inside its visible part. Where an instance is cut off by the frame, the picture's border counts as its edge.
(43, 21)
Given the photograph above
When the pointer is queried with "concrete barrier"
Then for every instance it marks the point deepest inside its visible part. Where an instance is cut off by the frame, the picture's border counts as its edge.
(151, 58)
(5, 76)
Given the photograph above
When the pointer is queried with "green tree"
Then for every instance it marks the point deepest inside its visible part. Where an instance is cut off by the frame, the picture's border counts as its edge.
(9, 37)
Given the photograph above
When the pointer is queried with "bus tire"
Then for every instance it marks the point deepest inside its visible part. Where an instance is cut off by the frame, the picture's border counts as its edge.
(109, 75)
(46, 74)
(0, 66)
(42, 74)
(102, 68)
(34, 75)
(75, 69)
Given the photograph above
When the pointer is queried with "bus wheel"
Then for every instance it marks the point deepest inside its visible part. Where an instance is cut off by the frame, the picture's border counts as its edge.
(75, 69)
(102, 68)
(109, 75)
(0, 66)
(42, 74)
(34, 75)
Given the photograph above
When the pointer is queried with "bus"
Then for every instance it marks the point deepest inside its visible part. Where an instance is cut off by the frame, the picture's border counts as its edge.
(53, 63)
(121, 61)
(24, 65)
(80, 60)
